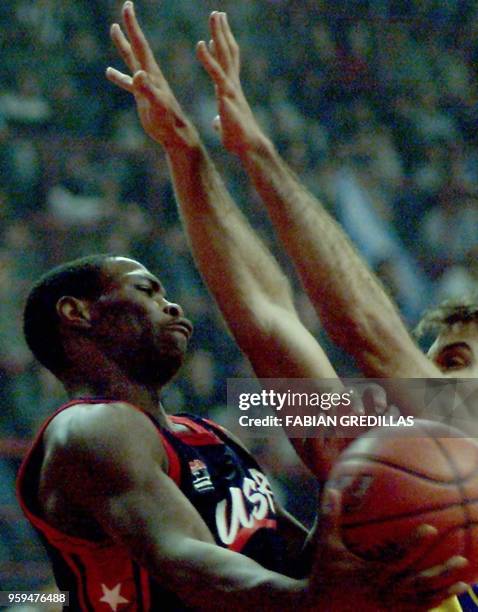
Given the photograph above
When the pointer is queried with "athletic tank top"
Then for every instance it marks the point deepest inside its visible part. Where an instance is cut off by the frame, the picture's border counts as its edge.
(221, 480)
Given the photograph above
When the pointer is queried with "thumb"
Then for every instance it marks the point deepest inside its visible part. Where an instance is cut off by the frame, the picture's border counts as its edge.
(329, 516)
(216, 124)
(143, 85)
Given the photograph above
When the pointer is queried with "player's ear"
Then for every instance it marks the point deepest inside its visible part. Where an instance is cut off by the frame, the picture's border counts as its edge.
(74, 312)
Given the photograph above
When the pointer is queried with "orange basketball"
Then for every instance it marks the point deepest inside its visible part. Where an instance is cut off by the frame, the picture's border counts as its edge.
(393, 480)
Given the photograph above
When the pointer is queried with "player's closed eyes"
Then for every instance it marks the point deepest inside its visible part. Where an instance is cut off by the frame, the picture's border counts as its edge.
(145, 289)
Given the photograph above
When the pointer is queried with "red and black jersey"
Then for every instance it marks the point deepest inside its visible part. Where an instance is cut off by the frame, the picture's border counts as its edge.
(221, 480)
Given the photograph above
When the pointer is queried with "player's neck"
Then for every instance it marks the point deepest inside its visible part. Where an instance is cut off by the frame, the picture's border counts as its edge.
(121, 390)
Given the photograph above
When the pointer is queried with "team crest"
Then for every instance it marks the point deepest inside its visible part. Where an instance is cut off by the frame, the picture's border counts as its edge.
(201, 477)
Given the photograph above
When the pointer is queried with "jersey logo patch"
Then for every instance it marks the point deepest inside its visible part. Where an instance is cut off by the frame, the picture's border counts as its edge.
(201, 478)
(246, 509)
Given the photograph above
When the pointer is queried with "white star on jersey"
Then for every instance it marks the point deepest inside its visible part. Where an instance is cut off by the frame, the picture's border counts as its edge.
(112, 597)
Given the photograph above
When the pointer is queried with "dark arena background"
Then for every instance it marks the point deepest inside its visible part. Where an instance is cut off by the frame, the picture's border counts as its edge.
(373, 103)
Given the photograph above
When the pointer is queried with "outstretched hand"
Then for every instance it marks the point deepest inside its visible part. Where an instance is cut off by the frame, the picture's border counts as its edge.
(221, 59)
(347, 582)
(159, 111)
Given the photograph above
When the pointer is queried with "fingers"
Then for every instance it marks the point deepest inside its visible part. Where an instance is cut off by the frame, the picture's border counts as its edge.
(225, 47)
(446, 569)
(428, 598)
(123, 47)
(143, 85)
(209, 62)
(458, 588)
(329, 519)
(419, 540)
(230, 40)
(330, 511)
(405, 550)
(428, 588)
(120, 79)
(211, 48)
(135, 52)
(431, 586)
(138, 83)
(375, 398)
(221, 47)
(216, 125)
(416, 600)
(139, 45)
(371, 399)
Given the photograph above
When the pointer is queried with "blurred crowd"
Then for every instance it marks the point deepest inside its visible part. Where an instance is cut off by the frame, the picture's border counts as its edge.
(373, 103)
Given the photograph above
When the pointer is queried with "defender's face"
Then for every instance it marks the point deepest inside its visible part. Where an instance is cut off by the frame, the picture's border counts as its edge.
(455, 351)
(137, 326)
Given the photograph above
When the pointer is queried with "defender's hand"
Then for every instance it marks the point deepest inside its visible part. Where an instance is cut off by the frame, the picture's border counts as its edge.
(347, 582)
(221, 60)
(159, 111)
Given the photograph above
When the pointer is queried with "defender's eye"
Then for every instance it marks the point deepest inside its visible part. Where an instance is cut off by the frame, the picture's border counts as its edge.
(457, 359)
(454, 361)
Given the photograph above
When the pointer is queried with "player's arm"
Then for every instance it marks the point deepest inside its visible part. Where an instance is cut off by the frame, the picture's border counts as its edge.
(93, 455)
(357, 312)
(246, 281)
(123, 486)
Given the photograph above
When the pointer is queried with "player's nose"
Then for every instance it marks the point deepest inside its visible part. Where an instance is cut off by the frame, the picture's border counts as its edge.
(173, 310)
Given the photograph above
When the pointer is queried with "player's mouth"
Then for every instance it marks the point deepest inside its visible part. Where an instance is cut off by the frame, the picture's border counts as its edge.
(181, 325)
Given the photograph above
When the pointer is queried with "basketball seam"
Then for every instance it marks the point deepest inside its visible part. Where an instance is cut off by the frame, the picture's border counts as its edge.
(466, 512)
(399, 468)
(409, 514)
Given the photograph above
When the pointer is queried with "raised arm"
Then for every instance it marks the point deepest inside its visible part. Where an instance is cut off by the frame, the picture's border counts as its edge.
(355, 309)
(246, 281)
(244, 278)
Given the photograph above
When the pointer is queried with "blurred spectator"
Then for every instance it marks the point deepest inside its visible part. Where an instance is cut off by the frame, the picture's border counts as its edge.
(459, 279)
(26, 103)
(450, 228)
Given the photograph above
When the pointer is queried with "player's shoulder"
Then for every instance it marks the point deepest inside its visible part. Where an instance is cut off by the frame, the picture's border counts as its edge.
(101, 429)
(225, 434)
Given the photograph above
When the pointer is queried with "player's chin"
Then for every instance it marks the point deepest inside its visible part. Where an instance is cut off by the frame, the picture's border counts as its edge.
(160, 364)
(173, 349)
(159, 375)
(173, 339)
(170, 363)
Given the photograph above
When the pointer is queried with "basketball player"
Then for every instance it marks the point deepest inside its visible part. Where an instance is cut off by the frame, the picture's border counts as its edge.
(455, 324)
(356, 311)
(143, 511)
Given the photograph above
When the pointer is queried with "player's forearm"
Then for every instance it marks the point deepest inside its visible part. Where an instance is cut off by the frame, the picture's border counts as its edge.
(235, 265)
(353, 305)
(208, 577)
(178, 551)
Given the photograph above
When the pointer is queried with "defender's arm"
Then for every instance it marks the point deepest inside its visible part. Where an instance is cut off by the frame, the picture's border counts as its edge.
(246, 281)
(352, 304)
